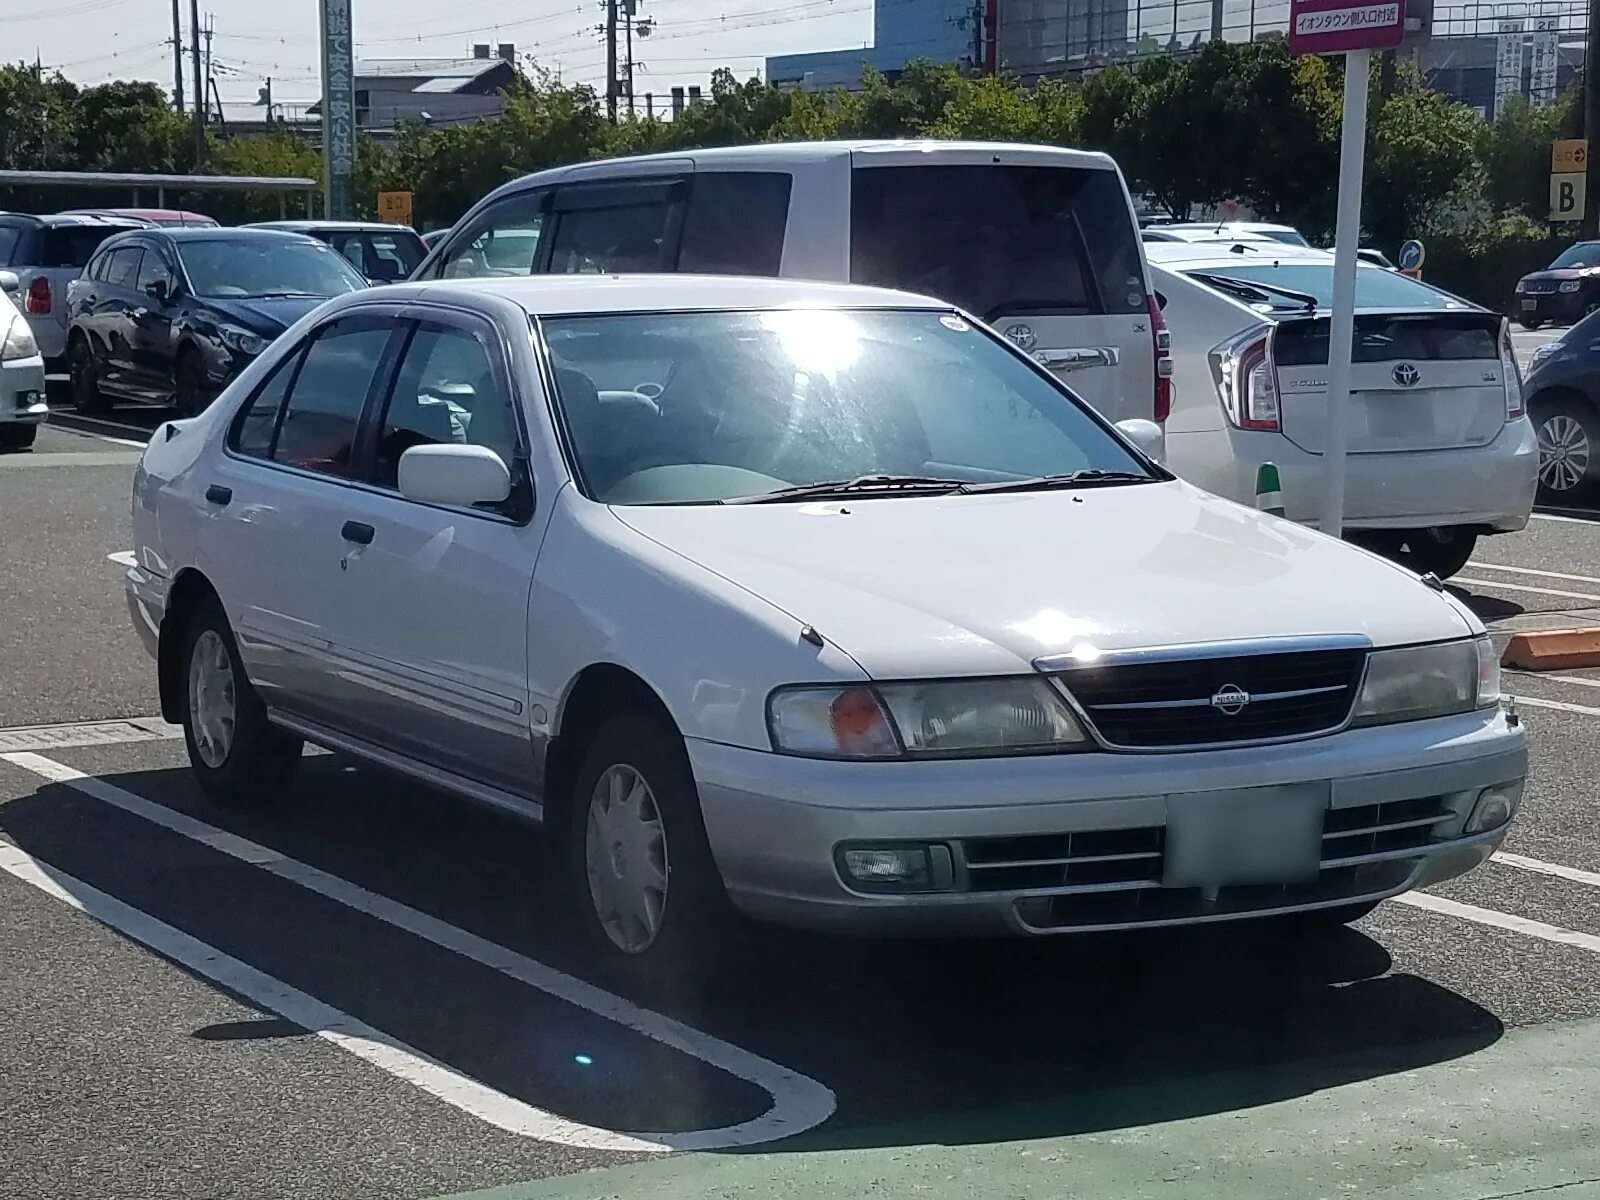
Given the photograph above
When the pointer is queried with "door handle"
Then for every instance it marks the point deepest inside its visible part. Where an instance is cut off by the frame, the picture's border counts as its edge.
(217, 494)
(1076, 358)
(358, 532)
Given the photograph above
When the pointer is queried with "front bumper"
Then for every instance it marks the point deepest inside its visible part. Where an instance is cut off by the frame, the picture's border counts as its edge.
(22, 395)
(1397, 800)
(1548, 306)
(147, 605)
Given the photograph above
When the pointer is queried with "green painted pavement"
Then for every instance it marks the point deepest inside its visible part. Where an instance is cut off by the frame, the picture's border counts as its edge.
(1519, 1117)
(70, 458)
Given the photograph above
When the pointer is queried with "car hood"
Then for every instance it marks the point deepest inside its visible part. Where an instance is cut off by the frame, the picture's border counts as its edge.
(1559, 273)
(269, 317)
(986, 584)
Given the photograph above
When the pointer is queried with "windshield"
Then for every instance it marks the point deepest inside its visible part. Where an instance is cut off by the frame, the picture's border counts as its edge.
(1375, 287)
(1584, 254)
(253, 268)
(703, 407)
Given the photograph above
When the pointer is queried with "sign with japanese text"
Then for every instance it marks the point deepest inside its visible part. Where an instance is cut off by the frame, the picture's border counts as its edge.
(394, 207)
(338, 110)
(1569, 154)
(1334, 26)
(1507, 61)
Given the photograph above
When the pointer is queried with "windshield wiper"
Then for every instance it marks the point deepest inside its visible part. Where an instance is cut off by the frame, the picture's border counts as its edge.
(1087, 477)
(284, 296)
(861, 484)
(1265, 290)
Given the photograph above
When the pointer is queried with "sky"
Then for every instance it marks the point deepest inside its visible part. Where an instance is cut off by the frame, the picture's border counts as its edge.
(94, 41)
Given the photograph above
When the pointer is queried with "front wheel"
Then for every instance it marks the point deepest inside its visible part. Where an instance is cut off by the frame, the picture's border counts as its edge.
(1568, 430)
(651, 897)
(240, 759)
(86, 394)
(189, 393)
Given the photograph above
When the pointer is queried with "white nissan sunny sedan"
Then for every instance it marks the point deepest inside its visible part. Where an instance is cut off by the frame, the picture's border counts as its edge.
(815, 602)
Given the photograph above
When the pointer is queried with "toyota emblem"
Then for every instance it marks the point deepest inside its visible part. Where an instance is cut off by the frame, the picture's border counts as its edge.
(1020, 335)
(1405, 375)
(1230, 700)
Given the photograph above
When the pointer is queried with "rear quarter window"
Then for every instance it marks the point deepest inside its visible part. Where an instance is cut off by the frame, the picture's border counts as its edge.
(9, 237)
(999, 240)
(71, 246)
(735, 223)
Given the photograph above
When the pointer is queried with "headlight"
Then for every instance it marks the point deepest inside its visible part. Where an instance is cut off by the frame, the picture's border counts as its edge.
(242, 340)
(938, 718)
(1569, 285)
(1429, 681)
(19, 341)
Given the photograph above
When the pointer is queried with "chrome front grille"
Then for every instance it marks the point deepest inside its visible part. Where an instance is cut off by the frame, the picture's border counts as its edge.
(1108, 877)
(1196, 701)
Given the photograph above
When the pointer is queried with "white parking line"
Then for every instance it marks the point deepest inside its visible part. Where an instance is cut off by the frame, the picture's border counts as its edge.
(1577, 679)
(1550, 516)
(1524, 587)
(1500, 920)
(1559, 705)
(1540, 867)
(322, 1019)
(123, 558)
(798, 1102)
(1483, 566)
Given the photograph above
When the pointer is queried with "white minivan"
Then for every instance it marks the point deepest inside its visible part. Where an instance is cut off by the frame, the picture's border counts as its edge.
(1038, 241)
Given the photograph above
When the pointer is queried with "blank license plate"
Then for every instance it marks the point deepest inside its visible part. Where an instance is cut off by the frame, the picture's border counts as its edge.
(1529, 304)
(1247, 835)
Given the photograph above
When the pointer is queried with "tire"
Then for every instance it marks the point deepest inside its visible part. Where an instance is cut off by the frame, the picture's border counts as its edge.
(614, 888)
(17, 437)
(1568, 429)
(86, 394)
(1529, 323)
(240, 759)
(1442, 553)
(189, 392)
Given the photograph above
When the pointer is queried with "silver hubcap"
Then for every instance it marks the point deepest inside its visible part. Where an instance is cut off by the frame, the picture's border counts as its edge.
(211, 699)
(1563, 453)
(625, 851)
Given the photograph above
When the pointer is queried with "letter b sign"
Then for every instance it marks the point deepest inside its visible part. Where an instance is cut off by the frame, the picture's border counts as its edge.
(1566, 196)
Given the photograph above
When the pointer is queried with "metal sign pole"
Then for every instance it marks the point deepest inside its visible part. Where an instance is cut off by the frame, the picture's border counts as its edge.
(1342, 325)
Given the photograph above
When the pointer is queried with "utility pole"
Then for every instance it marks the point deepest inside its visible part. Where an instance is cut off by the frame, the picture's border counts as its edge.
(199, 86)
(610, 60)
(177, 56)
(1591, 122)
(210, 81)
(627, 13)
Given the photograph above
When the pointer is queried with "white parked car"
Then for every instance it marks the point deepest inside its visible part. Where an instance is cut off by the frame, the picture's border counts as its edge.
(819, 600)
(1228, 231)
(1440, 449)
(1039, 241)
(22, 395)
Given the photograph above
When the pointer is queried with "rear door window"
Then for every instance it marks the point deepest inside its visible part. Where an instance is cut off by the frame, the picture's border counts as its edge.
(9, 236)
(122, 267)
(501, 241)
(999, 240)
(317, 431)
(71, 246)
(735, 223)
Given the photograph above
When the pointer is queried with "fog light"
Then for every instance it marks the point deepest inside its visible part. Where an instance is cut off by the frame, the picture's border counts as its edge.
(1495, 807)
(897, 868)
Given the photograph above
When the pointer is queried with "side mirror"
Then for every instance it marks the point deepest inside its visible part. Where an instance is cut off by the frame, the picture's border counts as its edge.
(10, 284)
(455, 475)
(156, 289)
(1148, 437)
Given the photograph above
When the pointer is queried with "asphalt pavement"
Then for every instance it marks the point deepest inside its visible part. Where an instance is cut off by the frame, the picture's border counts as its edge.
(370, 990)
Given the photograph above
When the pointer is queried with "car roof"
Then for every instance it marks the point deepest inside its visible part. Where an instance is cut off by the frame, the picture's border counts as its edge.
(332, 226)
(64, 220)
(1219, 254)
(225, 233)
(1232, 226)
(153, 214)
(566, 295)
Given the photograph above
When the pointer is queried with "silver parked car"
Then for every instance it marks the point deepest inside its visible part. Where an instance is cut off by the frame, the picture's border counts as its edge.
(47, 254)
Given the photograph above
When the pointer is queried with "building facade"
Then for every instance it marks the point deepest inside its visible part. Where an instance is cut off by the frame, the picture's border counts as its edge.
(902, 31)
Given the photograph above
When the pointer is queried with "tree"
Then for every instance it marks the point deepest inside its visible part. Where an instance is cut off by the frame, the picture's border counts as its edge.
(1516, 154)
(1420, 145)
(128, 126)
(276, 154)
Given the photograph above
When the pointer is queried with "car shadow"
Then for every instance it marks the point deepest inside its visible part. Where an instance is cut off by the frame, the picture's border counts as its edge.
(931, 1041)
(1486, 608)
